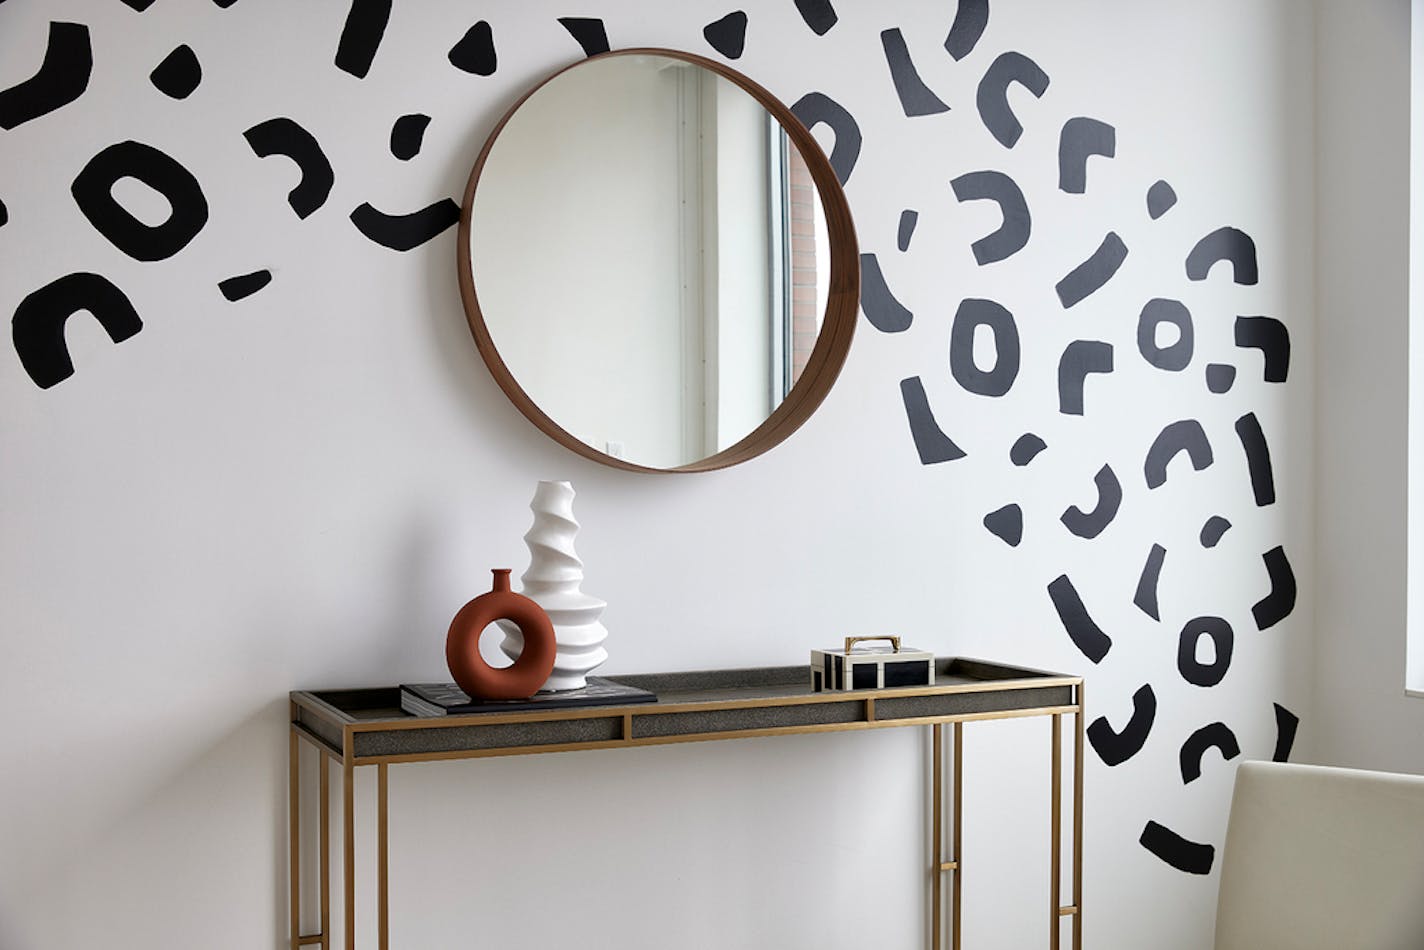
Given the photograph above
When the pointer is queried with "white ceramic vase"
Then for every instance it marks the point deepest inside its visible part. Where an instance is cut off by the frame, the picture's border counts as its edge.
(552, 581)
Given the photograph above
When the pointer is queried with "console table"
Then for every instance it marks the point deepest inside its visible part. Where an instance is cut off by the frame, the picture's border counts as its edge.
(357, 727)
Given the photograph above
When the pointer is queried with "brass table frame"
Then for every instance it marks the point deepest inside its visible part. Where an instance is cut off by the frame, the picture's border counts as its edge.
(338, 722)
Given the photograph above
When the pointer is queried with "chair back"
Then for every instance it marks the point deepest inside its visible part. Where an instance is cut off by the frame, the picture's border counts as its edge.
(1320, 858)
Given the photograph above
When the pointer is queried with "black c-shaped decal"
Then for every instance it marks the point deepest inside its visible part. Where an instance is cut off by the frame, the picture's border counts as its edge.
(993, 95)
(283, 136)
(1081, 138)
(1224, 244)
(1115, 747)
(1186, 435)
(62, 77)
(1271, 337)
(38, 325)
(816, 107)
(1278, 604)
(1080, 359)
(1090, 524)
(1216, 735)
(1013, 233)
(972, 314)
(401, 232)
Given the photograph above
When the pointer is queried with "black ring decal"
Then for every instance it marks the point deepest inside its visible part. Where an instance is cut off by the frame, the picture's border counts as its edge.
(38, 324)
(993, 95)
(1090, 524)
(971, 315)
(1271, 337)
(1086, 635)
(1176, 356)
(1278, 604)
(1146, 595)
(1186, 435)
(92, 190)
(931, 443)
(1080, 139)
(1222, 638)
(915, 97)
(62, 77)
(1006, 524)
(969, 22)
(728, 35)
(283, 136)
(1013, 233)
(1114, 747)
(1080, 359)
(1216, 735)
(1224, 244)
(817, 107)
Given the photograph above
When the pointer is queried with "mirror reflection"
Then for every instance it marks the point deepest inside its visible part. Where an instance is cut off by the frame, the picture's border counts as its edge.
(649, 256)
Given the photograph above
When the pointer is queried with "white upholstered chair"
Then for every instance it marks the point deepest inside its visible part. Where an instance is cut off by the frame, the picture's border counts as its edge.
(1321, 858)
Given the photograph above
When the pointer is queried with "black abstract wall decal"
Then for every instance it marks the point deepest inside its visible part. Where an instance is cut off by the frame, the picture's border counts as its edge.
(1212, 531)
(1080, 139)
(4, 214)
(1191, 857)
(589, 32)
(1116, 747)
(244, 285)
(1219, 377)
(62, 77)
(1090, 524)
(1278, 604)
(1006, 524)
(993, 95)
(1080, 358)
(1160, 198)
(1223, 642)
(1186, 435)
(1145, 597)
(224, 4)
(1215, 735)
(1025, 448)
(884, 312)
(1258, 459)
(1011, 236)
(401, 232)
(1286, 724)
(1175, 356)
(1086, 635)
(92, 190)
(908, 219)
(969, 22)
(1271, 337)
(931, 443)
(361, 36)
(819, 15)
(915, 97)
(728, 35)
(1224, 244)
(1089, 276)
(816, 107)
(179, 73)
(38, 325)
(972, 314)
(475, 52)
(283, 136)
(139, 5)
(407, 135)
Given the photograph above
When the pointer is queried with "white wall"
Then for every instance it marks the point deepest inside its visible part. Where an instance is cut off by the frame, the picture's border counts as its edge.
(298, 490)
(1365, 719)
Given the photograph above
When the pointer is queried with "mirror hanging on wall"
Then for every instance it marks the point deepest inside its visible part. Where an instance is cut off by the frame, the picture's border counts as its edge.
(649, 265)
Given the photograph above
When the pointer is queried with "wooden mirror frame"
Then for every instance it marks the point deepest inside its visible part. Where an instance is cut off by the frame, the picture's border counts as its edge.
(838, 322)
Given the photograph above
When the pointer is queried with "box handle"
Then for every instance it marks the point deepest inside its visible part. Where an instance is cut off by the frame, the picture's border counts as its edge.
(852, 641)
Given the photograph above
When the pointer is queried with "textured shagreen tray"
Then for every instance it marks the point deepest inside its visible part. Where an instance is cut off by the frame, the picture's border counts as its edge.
(691, 706)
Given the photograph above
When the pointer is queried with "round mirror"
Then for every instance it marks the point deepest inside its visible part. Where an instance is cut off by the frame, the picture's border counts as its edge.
(657, 262)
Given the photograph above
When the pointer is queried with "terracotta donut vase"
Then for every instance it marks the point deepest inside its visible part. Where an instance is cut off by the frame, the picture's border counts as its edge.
(462, 644)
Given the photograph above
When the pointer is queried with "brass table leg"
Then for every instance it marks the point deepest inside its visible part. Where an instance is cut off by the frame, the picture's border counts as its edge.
(348, 808)
(1055, 809)
(937, 836)
(1078, 823)
(956, 827)
(294, 835)
(382, 861)
(324, 790)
